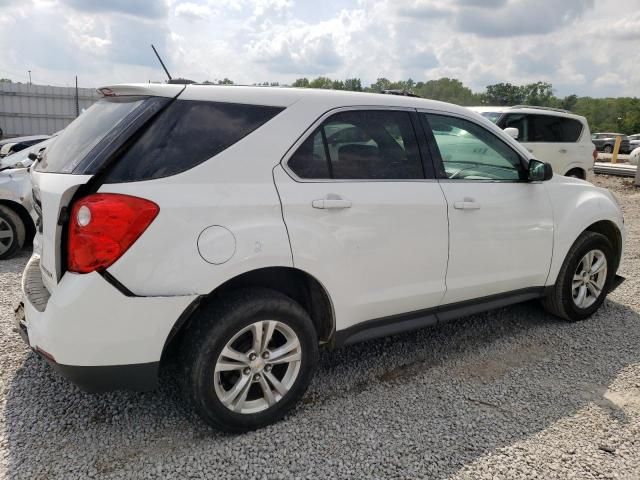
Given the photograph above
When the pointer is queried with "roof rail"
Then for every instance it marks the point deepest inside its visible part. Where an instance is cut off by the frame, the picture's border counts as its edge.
(404, 93)
(542, 108)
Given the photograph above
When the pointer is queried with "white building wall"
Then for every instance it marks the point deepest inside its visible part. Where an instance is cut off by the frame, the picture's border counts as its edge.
(39, 109)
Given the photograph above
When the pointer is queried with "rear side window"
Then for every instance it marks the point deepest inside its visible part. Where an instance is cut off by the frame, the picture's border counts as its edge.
(88, 130)
(360, 145)
(186, 134)
(549, 128)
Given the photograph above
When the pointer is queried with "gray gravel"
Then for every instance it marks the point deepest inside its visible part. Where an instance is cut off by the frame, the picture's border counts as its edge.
(509, 394)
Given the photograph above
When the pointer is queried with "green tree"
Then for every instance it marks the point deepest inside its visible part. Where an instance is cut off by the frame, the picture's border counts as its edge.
(321, 82)
(353, 84)
(301, 83)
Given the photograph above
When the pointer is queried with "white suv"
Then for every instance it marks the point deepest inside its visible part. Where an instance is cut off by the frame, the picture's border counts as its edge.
(245, 227)
(556, 136)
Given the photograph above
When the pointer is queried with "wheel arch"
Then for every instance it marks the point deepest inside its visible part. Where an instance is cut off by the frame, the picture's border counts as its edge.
(292, 282)
(582, 173)
(610, 230)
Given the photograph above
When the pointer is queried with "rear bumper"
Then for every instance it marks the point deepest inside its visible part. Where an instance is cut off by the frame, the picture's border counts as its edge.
(95, 335)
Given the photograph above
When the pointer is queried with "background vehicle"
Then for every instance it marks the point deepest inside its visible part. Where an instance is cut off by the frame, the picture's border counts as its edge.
(17, 219)
(245, 227)
(605, 142)
(21, 159)
(13, 145)
(551, 135)
(634, 141)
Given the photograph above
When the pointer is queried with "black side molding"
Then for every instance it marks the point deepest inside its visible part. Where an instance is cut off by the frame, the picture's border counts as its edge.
(406, 322)
(139, 377)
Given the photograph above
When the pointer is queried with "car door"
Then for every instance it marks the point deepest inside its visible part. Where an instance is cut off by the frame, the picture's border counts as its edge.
(500, 227)
(364, 216)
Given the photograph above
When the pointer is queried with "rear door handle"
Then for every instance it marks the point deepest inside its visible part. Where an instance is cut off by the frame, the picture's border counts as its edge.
(563, 150)
(466, 204)
(331, 203)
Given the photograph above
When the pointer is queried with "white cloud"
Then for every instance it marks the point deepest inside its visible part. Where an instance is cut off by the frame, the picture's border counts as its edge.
(192, 11)
(568, 43)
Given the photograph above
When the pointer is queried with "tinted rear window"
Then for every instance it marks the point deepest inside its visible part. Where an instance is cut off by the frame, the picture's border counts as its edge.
(85, 132)
(548, 128)
(186, 134)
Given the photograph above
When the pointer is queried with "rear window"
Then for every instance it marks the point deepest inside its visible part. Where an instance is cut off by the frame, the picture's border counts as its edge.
(543, 128)
(86, 132)
(548, 128)
(186, 134)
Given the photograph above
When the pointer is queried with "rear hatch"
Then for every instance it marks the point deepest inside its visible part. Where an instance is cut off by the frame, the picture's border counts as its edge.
(82, 152)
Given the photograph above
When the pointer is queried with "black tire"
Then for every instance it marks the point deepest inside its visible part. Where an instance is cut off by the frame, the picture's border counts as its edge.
(10, 221)
(607, 149)
(560, 301)
(575, 173)
(214, 325)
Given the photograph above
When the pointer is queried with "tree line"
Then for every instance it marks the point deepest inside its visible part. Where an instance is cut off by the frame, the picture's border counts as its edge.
(620, 114)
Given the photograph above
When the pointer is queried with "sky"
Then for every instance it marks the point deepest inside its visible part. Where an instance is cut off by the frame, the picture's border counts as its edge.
(586, 47)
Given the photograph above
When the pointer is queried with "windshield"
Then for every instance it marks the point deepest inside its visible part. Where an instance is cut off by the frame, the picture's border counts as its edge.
(493, 116)
(84, 133)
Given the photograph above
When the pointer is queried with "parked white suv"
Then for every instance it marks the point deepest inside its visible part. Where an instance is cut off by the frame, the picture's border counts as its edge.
(556, 136)
(246, 227)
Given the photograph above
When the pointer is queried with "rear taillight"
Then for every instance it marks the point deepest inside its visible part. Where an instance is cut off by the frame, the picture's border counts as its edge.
(103, 226)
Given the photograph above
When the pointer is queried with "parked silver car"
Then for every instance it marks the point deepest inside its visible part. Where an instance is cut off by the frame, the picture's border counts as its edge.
(17, 215)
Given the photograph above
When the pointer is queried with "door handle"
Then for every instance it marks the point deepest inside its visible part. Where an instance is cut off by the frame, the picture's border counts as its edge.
(331, 203)
(563, 150)
(466, 204)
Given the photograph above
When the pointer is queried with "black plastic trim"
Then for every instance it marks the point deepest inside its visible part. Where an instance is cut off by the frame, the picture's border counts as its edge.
(406, 322)
(117, 284)
(139, 377)
(616, 281)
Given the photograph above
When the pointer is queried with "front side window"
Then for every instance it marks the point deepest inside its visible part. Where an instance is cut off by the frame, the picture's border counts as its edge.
(360, 145)
(469, 152)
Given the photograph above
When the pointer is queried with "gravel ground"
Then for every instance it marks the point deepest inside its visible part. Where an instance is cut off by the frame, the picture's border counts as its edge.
(512, 393)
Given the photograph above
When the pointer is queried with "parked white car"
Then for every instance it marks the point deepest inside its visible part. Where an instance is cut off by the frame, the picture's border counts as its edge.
(556, 136)
(245, 227)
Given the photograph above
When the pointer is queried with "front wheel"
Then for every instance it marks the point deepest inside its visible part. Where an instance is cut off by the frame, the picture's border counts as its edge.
(584, 278)
(248, 358)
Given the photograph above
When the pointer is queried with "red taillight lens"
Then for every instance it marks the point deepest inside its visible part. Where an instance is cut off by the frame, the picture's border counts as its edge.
(103, 226)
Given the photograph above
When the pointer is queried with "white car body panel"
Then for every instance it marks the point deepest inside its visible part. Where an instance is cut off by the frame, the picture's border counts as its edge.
(85, 319)
(385, 255)
(504, 245)
(576, 206)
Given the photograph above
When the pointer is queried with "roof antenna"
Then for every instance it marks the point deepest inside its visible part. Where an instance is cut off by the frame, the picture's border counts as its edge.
(161, 62)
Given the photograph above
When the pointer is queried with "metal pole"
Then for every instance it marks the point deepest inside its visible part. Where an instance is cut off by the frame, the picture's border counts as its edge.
(77, 99)
(29, 77)
(161, 62)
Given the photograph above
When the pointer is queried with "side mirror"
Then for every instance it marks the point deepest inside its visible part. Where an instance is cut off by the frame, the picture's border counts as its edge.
(512, 132)
(33, 156)
(539, 171)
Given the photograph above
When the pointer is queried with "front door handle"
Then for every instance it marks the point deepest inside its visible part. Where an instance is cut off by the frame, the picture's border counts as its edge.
(466, 204)
(331, 202)
(563, 150)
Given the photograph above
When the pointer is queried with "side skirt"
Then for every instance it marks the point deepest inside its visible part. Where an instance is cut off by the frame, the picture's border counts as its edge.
(382, 327)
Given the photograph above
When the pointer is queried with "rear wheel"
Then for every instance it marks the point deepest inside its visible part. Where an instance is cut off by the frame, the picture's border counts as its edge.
(248, 359)
(12, 232)
(607, 149)
(584, 278)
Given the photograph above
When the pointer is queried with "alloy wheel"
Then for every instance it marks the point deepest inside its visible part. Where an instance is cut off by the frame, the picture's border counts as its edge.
(257, 367)
(589, 279)
(7, 236)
